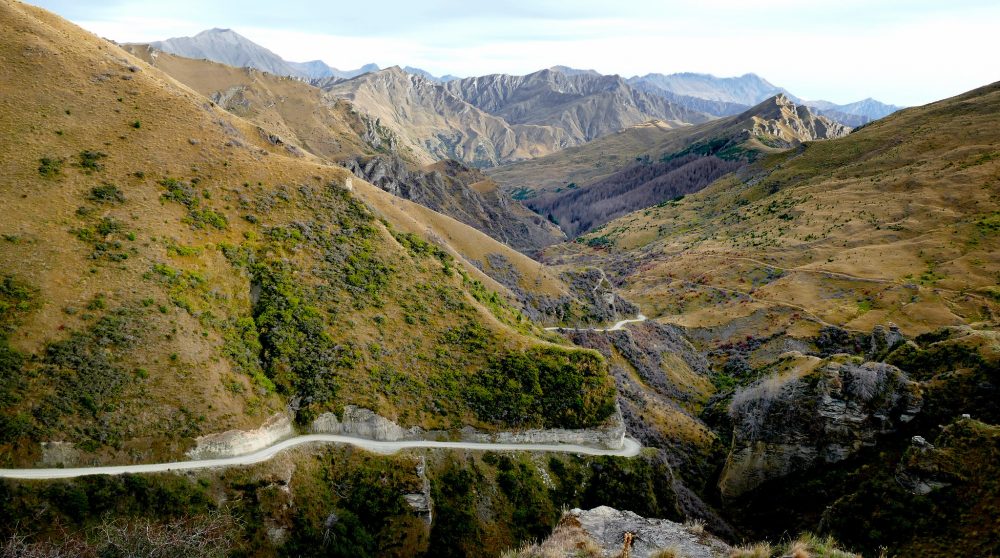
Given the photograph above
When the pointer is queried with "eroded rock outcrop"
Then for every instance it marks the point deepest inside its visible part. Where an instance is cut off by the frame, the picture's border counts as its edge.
(964, 452)
(791, 423)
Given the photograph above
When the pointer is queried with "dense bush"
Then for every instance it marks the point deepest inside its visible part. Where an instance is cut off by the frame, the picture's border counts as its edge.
(353, 509)
(298, 354)
(547, 386)
(86, 378)
(16, 299)
(533, 511)
(456, 531)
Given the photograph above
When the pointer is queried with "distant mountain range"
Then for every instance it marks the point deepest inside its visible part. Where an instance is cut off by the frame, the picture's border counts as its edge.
(702, 93)
(499, 118)
(728, 96)
(583, 104)
(491, 120)
(229, 47)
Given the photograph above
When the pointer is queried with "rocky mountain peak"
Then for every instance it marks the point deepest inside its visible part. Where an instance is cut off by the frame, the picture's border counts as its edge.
(780, 119)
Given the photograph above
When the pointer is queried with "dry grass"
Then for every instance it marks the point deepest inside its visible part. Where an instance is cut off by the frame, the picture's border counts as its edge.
(299, 113)
(211, 536)
(568, 539)
(287, 107)
(757, 550)
(695, 526)
(814, 546)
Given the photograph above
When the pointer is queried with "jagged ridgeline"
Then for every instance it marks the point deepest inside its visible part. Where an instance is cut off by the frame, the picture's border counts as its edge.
(168, 270)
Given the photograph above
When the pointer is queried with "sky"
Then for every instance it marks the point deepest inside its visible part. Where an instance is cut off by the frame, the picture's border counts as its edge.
(904, 52)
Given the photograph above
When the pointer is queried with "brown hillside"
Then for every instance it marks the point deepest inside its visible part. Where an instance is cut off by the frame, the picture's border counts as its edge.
(168, 270)
(896, 222)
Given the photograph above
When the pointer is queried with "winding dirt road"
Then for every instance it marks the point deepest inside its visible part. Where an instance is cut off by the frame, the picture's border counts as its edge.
(630, 448)
(616, 327)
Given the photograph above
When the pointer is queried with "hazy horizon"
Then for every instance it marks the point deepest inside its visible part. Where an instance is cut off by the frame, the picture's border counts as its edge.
(903, 53)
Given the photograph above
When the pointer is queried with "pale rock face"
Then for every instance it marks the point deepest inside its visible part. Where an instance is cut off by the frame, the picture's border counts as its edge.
(363, 423)
(239, 442)
(59, 454)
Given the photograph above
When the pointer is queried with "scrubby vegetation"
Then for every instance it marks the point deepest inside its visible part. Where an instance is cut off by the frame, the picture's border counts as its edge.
(106, 193)
(523, 508)
(16, 299)
(78, 382)
(187, 195)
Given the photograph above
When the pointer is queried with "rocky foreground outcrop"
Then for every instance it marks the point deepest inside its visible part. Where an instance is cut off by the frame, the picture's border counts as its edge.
(791, 423)
(605, 532)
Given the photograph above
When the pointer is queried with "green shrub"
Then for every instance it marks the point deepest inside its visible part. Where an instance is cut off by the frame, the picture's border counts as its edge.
(90, 160)
(50, 167)
(199, 219)
(180, 192)
(298, 354)
(106, 193)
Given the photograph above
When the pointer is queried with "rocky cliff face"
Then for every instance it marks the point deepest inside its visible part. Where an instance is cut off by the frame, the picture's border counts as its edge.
(363, 423)
(432, 121)
(784, 123)
(583, 105)
(788, 424)
(447, 188)
(662, 382)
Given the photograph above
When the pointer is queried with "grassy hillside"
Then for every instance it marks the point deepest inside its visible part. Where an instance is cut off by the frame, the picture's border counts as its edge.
(169, 271)
(896, 222)
(293, 110)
